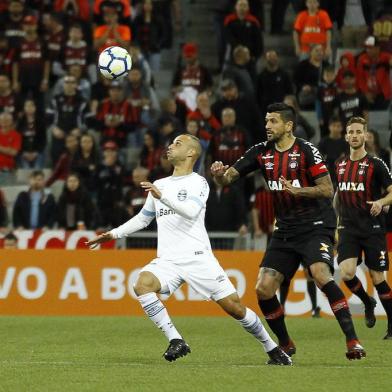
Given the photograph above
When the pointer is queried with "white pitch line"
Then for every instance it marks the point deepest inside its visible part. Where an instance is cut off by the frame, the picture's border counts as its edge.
(135, 364)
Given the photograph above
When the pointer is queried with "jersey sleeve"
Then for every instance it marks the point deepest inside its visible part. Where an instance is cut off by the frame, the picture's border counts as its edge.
(382, 173)
(316, 165)
(248, 162)
(149, 206)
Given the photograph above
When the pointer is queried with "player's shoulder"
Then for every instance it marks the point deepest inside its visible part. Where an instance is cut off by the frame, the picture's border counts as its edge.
(306, 145)
(378, 162)
(198, 179)
(162, 181)
(261, 147)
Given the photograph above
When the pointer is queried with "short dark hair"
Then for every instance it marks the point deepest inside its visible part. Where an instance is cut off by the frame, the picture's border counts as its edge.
(334, 119)
(287, 113)
(36, 173)
(11, 237)
(329, 68)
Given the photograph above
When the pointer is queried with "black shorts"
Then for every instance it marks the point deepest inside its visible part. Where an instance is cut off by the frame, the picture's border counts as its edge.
(374, 247)
(285, 255)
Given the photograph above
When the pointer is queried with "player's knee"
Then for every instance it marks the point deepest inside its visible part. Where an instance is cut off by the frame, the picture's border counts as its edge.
(377, 276)
(347, 273)
(321, 276)
(264, 290)
(144, 285)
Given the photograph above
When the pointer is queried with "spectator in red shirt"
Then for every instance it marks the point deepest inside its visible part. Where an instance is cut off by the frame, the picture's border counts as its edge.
(111, 33)
(347, 63)
(192, 74)
(10, 142)
(231, 141)
(373, 75)
(208, 123)
(312, 27)
(116, 117)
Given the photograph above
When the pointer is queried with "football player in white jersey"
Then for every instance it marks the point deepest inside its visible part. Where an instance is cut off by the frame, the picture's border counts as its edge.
(184, 252)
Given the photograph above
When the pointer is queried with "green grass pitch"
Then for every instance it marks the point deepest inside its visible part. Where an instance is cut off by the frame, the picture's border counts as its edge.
(125, 354)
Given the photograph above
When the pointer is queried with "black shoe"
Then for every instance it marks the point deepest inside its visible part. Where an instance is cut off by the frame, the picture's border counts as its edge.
(388, 336)
(370, 318)
(177, 349)
(279, 357)
(316, 312)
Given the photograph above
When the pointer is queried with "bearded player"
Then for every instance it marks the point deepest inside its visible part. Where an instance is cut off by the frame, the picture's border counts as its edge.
(305, 226)
(362, 181)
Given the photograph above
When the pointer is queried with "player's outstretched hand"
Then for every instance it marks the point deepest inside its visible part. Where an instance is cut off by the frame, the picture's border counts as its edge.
(104, 237)
(218, 169)
(376, 207)
(148, 187)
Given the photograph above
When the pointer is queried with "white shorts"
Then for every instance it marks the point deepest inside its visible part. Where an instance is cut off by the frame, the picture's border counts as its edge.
(203, 274)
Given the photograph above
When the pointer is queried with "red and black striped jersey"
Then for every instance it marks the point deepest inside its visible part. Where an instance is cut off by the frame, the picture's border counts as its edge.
(303, 165)
(360, 181)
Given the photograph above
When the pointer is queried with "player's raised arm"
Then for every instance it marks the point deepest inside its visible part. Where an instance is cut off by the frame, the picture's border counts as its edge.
(225, 175)
(138, 222)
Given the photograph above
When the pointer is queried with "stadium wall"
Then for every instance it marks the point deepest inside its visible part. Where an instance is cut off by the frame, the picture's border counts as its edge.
(83, 282)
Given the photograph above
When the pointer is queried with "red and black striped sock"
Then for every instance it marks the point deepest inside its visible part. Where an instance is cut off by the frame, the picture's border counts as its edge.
(356, 288)
(340, 309)
(274, 315)
(385, 294)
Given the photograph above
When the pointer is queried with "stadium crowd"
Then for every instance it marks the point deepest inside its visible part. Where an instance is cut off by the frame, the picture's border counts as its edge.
(103, 138)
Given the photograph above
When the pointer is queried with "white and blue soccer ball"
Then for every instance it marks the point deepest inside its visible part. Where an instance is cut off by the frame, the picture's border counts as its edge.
(114, 62)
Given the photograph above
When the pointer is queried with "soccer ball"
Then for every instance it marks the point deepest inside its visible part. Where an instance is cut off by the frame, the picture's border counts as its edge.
(114, 62)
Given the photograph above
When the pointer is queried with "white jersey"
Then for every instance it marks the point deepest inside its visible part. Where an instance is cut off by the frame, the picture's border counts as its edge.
(180, 217)
(182, 235)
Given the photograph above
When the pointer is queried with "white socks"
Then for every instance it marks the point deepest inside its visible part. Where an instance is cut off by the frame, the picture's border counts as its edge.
(253, 325)
(156, 311)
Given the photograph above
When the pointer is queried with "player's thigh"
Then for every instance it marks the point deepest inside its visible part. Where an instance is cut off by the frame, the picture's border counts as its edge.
(317, 256)
(282, 257)
(207, 277)
(167, 273)
(349, 252)
(376, 253)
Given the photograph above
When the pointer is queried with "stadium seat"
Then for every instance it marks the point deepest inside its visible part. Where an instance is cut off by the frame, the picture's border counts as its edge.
(312, 119)
(57, 188)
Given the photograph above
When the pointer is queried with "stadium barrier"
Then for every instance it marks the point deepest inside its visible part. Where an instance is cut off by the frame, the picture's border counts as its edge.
(83, 282)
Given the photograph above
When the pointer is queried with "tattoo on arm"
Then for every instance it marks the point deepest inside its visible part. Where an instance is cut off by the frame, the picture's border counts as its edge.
(230, 176)
(323, 188)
